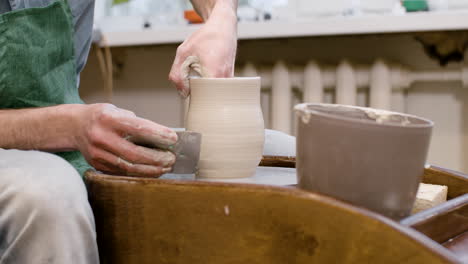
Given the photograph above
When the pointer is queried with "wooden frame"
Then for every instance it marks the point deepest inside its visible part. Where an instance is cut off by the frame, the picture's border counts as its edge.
(167, 221)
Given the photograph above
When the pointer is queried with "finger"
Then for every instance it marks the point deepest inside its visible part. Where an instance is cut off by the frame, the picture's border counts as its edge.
(139, 170)
(127, 112)
(138, 154)
(144, 130)
(176, 75)
(107, 168)
(107, 161)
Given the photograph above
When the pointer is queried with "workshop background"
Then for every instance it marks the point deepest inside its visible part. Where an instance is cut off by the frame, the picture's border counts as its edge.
(407, 56)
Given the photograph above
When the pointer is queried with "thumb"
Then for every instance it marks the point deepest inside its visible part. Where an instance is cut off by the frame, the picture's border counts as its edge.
(180, 74)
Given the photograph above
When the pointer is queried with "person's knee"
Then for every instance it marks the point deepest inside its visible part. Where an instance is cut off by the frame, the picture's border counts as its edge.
(43, 184)
(44, 205)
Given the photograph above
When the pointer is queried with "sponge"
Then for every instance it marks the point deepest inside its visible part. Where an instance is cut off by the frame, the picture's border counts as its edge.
(428, 196)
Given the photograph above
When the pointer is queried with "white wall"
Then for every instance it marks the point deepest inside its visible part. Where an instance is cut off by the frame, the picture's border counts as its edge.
(141, 85)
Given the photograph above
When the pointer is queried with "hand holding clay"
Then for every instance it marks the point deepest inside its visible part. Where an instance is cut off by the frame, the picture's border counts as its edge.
(102, 139)
(210, 51)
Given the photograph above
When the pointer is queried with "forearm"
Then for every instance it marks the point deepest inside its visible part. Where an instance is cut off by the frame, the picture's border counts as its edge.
(206, 7)
(49, 129)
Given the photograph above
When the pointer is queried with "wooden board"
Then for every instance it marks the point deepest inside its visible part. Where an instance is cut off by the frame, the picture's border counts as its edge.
(447, 222)
(457, 182)
(459, 246)
(278, 161)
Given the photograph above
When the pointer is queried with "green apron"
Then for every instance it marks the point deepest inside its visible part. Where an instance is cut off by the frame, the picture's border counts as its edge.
(37, 62)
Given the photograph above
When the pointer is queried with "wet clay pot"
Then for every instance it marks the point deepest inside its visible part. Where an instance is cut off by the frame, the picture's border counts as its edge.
(226, 111)
(371, 158)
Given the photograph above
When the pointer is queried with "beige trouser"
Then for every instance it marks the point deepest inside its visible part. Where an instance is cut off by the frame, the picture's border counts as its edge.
(45, 216)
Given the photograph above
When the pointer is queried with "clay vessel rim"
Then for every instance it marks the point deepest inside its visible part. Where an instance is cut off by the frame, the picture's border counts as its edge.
(304, 109)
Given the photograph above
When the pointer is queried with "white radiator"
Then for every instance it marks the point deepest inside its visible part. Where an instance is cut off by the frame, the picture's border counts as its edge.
(376, 85)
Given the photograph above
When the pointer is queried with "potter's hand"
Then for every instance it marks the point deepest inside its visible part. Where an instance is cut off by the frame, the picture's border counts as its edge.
(102, 139)
(211, 50)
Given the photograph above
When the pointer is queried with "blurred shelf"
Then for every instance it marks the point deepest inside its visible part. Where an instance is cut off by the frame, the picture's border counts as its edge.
(369, 24)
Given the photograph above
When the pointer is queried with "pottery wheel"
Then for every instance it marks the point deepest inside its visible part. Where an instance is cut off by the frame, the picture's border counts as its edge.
(264, 175)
